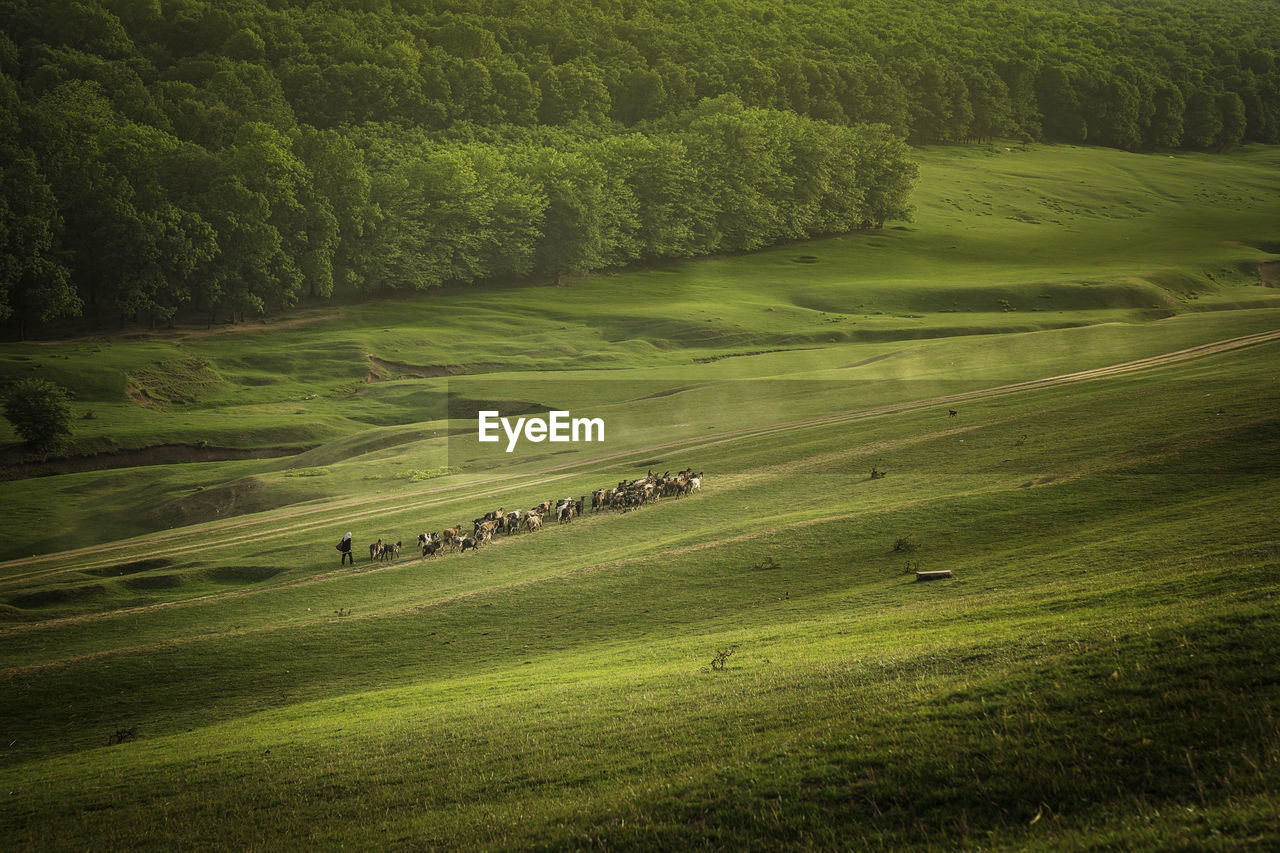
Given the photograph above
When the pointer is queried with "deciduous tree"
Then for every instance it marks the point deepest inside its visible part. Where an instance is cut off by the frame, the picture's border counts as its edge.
(40, 412)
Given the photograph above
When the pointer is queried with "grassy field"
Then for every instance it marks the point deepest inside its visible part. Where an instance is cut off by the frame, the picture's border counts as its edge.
(751, 667)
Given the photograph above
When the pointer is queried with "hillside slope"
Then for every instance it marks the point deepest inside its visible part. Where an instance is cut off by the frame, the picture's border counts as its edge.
(1019, 269)
(749, 665)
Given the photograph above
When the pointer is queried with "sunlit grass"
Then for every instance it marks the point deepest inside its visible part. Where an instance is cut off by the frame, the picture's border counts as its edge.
(750, 667)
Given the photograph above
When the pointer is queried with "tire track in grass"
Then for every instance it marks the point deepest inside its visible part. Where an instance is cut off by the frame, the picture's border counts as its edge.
(734, 482)
(728, 483)
(440, 601)
(742, 481)
(237, 532)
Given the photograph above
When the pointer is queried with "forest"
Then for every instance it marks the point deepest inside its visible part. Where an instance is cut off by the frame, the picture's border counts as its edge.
(160, 157)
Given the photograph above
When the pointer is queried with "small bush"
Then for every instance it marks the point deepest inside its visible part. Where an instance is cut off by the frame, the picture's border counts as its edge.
(721, 658)
(40, 412)
(123, 735)
(904, 545)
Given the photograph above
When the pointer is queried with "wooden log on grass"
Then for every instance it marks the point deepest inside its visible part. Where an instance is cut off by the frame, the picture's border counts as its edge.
(934, 575)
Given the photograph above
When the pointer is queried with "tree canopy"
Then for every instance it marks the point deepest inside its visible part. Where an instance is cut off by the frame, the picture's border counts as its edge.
(169, 155)
(40, 412)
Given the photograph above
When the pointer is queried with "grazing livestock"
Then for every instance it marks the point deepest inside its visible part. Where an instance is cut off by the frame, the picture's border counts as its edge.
(484, 531)
(511, 522)
(564, 510)
(625, 496)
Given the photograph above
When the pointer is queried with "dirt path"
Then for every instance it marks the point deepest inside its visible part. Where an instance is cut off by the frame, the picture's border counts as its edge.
(439, 601)
(244, 530)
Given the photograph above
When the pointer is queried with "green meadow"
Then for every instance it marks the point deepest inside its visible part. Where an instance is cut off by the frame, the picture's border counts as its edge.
(753, 666)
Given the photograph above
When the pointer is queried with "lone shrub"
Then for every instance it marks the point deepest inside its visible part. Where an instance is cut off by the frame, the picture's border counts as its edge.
(123, 735)
(904, 544)
(40, 412)
(722, 656)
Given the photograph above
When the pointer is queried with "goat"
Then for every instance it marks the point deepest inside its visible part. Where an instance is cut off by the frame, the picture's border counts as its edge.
(484, 531)
(564, 511)
(627, 495)
(511, 522)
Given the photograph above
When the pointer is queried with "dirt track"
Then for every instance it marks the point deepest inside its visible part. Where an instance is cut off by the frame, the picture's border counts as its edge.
(238, 532)
(243, 530)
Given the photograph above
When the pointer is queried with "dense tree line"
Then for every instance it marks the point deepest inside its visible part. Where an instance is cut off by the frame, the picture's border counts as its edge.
(167, 155)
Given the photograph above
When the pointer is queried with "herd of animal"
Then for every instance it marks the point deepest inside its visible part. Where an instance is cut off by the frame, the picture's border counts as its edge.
(625, 496)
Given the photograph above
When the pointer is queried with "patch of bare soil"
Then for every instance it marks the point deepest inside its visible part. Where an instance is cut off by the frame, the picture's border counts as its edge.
(1269, 273)
(160, 454)
(139, 396)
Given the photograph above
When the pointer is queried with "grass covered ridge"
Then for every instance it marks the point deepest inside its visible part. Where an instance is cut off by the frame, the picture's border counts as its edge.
(750, 667)
(1098, 665)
